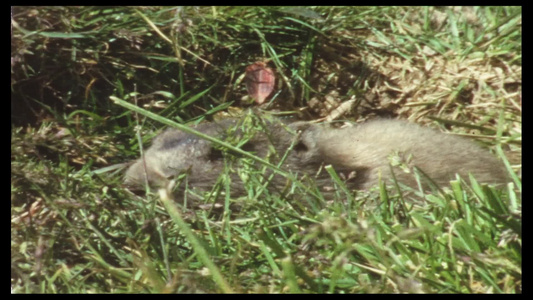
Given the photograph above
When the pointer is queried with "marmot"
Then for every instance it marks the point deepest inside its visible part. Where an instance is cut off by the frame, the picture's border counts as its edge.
(361, 154)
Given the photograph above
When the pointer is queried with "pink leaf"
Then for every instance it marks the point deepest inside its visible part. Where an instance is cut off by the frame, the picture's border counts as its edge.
(260, 81)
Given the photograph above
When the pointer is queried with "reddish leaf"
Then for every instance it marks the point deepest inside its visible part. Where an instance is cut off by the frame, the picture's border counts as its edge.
(260, 81)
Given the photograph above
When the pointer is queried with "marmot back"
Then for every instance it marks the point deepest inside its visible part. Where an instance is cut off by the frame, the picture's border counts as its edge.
(371, 147)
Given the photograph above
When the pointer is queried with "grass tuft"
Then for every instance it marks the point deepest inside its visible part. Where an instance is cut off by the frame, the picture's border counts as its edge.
(76, 229)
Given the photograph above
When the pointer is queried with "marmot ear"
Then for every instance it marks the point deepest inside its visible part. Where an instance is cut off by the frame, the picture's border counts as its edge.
(307, 132)
(301, 126)
(308, 135)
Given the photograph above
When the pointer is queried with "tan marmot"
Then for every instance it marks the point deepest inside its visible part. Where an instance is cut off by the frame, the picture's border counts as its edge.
(360, 154)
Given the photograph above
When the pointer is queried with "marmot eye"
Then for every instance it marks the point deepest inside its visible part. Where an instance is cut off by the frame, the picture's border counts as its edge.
(248, 147)
(301, 147)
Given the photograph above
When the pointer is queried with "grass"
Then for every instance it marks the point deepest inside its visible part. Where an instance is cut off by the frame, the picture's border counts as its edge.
(75, 229)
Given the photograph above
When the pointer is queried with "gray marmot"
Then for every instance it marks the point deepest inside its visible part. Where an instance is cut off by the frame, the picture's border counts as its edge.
(361, 154)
